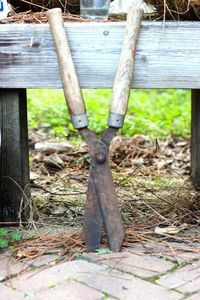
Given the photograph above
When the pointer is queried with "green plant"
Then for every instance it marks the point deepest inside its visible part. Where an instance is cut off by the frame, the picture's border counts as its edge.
(8, 238)
(156, 113)
(81, 159)
(3, 232)
(3, 243)
(103, 251)
(16, 236)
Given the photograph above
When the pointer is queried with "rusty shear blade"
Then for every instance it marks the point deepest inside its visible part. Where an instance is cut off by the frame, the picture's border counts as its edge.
(101, 196)
(93, 221)
(107, 199)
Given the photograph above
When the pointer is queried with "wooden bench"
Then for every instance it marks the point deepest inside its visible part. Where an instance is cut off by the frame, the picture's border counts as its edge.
(168, 56)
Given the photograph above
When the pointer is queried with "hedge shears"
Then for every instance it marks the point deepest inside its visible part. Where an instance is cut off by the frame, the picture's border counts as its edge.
(101, 203)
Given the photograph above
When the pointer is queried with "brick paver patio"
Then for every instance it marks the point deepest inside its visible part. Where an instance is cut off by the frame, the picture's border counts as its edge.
(141, 272)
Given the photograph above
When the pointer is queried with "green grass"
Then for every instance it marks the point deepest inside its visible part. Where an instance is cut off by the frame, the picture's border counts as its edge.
(156, 113)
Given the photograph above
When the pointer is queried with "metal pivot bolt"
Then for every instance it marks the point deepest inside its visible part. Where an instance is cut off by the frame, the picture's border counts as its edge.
(100, 158)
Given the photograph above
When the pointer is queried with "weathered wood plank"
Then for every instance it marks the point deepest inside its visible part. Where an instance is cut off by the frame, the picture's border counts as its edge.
(195, 138)
(166, 57)
(14, 168)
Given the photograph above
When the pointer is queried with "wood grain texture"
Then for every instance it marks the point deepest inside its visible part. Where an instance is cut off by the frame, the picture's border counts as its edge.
(166, 56)
(195, 138)
(71, 86)
(124, 74)
(14, 167)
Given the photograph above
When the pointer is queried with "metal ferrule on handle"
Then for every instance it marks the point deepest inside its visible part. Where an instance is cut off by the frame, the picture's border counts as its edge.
(71, 86)
(124, 74)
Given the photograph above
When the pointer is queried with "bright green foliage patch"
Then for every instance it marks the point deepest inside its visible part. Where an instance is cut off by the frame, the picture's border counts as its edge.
(159, 113)
(16, 236)
(3, 243)
(7, 238)
(103, 251)
(47, 109)
(3, 232)
(156, 113)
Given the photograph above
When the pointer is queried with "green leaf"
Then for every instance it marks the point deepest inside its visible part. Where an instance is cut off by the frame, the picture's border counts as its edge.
(103, 251)
(3, 243)
(3, 232)
(16, 236)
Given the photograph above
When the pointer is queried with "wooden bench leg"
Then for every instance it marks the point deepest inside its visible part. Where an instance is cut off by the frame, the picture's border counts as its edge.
(195, 138)
(14, 166)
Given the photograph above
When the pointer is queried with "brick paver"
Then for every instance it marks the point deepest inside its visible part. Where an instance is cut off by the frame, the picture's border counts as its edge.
(181, 278)
(44, 278)
(194, 297)
(124, 286)
(43, 260)
(174, 251)
(184, 257)
(113, 282)
(191, 286)
(140, 264)
(8, 267)
(127, 275)
(7, 293)
(181, 252)
(69, 291)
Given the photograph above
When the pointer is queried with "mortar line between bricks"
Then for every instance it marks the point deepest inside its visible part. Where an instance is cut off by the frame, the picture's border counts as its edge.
(173, 269)
(148, 279)
(36, 292)
(6, 282)
(12, 276)
(176, 268)
(15, 289)
(185, 263)
(28, 269)
(189, 281)
(189, 294)
(58, 284)
(136, 276)
(154, 278)
(96, 289)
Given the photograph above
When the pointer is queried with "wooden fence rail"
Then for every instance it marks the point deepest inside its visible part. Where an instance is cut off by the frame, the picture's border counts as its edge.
(168, 56)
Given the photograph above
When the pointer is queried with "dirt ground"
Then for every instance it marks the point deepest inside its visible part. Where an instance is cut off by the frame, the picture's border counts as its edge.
(152, 180)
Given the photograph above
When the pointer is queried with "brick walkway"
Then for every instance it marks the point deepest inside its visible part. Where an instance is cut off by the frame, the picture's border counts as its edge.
(144, 272)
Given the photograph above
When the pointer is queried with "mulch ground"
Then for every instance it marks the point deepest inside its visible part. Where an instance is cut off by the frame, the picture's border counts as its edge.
(152, 178)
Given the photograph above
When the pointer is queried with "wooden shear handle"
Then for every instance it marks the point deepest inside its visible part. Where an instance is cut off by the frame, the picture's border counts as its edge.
(71, 86)
(124, 74)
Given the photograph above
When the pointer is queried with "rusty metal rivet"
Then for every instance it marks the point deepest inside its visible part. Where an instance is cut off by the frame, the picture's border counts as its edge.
(100, 157)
